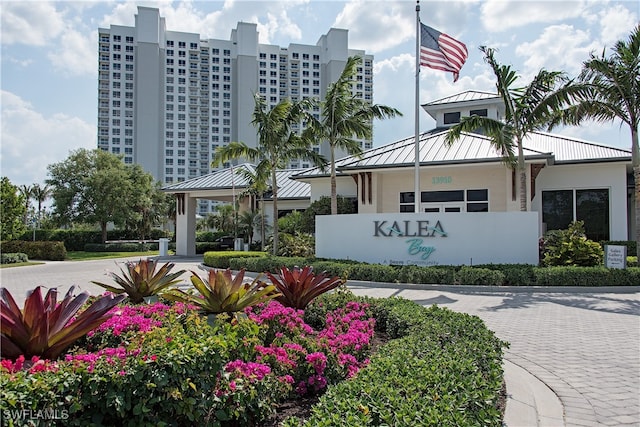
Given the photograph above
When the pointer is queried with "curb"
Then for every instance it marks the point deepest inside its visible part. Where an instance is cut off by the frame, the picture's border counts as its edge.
(530, 402)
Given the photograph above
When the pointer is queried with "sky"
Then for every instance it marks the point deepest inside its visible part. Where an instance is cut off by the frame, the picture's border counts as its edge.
(48, 57)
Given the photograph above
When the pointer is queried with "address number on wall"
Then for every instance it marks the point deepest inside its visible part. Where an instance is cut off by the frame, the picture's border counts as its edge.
(441, 180)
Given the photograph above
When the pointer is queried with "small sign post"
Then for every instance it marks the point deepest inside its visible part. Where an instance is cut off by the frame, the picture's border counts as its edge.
(615, 256)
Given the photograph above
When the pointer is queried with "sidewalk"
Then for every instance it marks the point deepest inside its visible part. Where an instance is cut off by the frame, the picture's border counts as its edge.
(574, 355)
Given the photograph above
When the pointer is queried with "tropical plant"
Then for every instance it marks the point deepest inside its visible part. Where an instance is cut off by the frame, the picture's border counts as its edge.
(300, 286)
(46, 328)
(345, 117)
(140, 279)
(248, 221)
(527, 109)
(222, 292)
(322, 206)
(27, 193)
(278, 143)
(257, 188)
(571, 247)
(615, 83)
(40, 194)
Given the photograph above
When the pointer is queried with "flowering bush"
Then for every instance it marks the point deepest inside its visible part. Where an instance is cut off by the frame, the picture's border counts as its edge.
(164, 364)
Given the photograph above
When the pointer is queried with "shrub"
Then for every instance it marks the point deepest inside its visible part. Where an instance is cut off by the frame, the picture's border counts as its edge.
(52, 251)
(444, 370)
(221, 292)
(121, 247)
(587, 276)
(427, 275)
(571, 247)
(140, 279)
(479, 276)
(223, 259)
(13, 258)
(514, 274)
(298, 287)
(44, 327)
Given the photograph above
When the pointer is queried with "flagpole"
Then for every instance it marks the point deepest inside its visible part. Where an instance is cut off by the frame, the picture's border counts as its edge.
(417, 198)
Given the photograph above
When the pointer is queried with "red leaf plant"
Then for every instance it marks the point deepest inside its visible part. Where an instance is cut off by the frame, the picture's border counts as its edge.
(46, 328)
(300, 286)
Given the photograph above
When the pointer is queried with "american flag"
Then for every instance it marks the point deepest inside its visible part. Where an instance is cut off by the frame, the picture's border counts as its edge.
(441, 52)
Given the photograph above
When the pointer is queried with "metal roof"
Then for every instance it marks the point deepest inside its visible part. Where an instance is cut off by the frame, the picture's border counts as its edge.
(226, 179)
(470, 95)
(573, 150)
(473, 148)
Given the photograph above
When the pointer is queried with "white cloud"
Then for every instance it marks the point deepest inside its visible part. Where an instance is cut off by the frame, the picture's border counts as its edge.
(617, 23)
(31, 141)
(76, 54)
(29, 23)
(559, 47)
(501, 15)
(377, 26)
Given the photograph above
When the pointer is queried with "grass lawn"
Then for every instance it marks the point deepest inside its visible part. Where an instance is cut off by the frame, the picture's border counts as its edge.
(87, 256)
(20, 264)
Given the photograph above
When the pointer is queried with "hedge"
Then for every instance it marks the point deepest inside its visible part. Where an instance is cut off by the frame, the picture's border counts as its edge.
(222, 259)
(74, 240)
(51, 251)
(441, 368)
(486, 274)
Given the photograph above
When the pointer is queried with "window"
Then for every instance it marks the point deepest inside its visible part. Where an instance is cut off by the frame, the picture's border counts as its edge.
(447, 201)
(450, 118)
(481, 113)
(557, 209)
(560, 207)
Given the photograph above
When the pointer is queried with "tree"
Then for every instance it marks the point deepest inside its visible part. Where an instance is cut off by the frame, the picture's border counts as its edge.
(615, 83)
(322, 206)
(527, 109)
(248, 221)
(278, 143)
(40, 194)
(147, 204)
(223, 219)
(95, 187)
(345, 117)
(257, 188)
(12, 210)
(27, 193)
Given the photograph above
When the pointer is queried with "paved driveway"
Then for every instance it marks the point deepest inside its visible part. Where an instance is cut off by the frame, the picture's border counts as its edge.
(582, 343)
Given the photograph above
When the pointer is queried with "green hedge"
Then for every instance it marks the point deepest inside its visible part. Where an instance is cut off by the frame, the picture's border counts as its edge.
(121, 247)
(486, 274)
(13, 258)
(51, 251)
(222, 259)
(74, 240)
(441, 368)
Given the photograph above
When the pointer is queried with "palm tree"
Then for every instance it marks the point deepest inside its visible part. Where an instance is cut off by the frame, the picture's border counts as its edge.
(615, 81)
(257, 188)
(40, 194)
(345, 117)
(27, 193)
(527, 109)
(278, 143)
(247, 223)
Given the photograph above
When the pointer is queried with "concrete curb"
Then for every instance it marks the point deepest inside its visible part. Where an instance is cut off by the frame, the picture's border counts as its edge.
(529, 401)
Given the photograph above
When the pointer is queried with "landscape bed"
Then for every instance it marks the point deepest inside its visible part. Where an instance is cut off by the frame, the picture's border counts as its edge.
(166, 364)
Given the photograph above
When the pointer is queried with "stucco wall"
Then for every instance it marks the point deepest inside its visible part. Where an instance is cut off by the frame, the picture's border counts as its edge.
(612, 176)
(495, 178)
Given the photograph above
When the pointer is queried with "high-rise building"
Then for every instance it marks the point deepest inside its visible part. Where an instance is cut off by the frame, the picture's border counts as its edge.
(168, 99)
